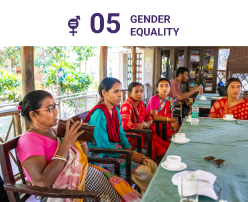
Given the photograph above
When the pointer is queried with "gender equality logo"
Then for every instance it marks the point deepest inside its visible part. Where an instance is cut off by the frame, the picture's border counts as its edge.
(73, 24)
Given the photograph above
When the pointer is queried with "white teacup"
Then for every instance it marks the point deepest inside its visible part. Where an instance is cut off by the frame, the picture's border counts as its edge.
(173, 161)
(203, 97)
(180, 137)
(228, 117)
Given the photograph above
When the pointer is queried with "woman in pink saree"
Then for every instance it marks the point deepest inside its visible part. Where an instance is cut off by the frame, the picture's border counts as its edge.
(161, 107)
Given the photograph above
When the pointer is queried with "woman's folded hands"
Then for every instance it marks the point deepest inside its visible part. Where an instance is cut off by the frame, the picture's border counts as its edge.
(139, 158)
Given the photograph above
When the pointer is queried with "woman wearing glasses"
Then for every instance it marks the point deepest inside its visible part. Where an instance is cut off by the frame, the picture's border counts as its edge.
(50, 162)
(232, 104)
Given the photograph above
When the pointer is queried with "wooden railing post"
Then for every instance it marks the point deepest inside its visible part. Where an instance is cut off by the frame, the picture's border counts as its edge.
(27, 72)
(133, 63)
(17, 124)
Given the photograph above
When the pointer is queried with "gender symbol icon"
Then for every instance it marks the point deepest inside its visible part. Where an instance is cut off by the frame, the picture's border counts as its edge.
(73, 24)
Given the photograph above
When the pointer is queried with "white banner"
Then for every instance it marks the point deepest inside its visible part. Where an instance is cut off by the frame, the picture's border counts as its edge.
(129, 22)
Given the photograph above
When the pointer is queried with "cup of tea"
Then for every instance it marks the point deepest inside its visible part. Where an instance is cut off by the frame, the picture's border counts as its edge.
(228, 117)
(173, 161)
(180, 137)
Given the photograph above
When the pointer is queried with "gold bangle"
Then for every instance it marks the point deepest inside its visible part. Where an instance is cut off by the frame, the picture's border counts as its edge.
(60, 157)
(63, 159)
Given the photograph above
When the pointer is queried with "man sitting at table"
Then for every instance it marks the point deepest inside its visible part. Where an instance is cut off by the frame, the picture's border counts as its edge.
(176, 93)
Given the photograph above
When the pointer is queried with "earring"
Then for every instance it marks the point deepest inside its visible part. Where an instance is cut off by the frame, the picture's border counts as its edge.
(103, 95)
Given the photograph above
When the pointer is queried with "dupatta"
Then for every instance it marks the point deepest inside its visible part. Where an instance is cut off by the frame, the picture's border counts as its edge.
(131, 102)
(172, 104)
(113, 126)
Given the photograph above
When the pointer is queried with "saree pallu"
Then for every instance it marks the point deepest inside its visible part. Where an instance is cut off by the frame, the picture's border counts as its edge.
(74, 174)
(132, 117)
(239, 111)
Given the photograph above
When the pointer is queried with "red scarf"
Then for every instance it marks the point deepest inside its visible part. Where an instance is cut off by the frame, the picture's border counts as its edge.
(113, 126)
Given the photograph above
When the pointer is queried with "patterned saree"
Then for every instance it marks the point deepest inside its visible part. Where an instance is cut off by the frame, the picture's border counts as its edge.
(132, 117)
(239, 111)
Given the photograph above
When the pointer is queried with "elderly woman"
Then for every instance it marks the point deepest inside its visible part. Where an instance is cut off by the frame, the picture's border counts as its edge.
(161, 108)
(135, 116)
(232, 104)
(109, 134)
(50, 162)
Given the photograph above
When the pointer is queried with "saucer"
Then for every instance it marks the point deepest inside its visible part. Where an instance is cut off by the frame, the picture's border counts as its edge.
(229, 119)
(185, 141)
(190, 120)
(203, 99)
(183, 166)
(216, 98)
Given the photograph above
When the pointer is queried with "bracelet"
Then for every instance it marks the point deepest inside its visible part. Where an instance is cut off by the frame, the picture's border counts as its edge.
(63, 159)
(59, 156)
(167, 119)
(83, 142)
(144, 124)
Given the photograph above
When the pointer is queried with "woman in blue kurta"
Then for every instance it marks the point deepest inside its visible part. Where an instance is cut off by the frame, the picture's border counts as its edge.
(109, 134)
(101, 140)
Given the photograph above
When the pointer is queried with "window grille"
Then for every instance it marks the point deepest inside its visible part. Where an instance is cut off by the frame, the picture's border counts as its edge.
(138, 68)
(243, 78)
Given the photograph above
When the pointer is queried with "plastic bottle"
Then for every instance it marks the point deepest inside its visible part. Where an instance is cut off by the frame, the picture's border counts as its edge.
(195, 114)
(201, 90)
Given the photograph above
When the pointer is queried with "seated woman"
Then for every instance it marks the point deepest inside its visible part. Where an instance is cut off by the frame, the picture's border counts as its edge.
(161, 108)
(48, 162)
(232, 104)
(109, 134)
(135, 116)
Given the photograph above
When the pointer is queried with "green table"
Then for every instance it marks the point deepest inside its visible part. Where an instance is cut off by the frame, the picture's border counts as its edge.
(212, 137)
(206, 103)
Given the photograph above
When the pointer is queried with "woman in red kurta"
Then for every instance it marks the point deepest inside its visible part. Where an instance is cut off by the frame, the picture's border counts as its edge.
(232, 104)
(135, 116)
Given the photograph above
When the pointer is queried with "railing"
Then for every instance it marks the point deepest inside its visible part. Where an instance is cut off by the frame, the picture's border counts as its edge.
(73, 104)
(70, 105)
(11, 127)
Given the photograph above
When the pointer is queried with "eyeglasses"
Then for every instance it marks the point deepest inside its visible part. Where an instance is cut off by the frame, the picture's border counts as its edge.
(50, 109)
(215, 161)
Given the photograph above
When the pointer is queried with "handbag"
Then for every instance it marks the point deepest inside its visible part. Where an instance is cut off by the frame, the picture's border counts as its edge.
(86, 136)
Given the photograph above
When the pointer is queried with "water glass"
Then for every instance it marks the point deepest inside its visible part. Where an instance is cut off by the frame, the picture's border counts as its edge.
(189, 188)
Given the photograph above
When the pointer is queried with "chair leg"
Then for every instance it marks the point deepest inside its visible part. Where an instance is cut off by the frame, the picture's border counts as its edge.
(149, 145)
(180, 120)
(13, 196)
(128, 168)
(164, 128)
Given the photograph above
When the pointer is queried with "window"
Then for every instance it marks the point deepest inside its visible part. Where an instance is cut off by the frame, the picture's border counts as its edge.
(138, 68)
